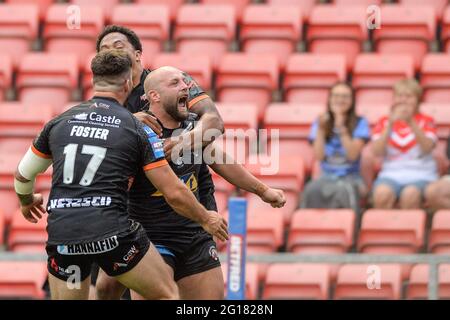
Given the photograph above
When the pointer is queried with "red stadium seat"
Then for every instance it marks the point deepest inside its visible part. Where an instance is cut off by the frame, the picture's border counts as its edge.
(353, 282)
(239, 115)
(205, 29)
(22, 279)
(151, 24)
(107, 6)
(435, 77)
(251, 280)
(441, 115)
(24, 232)
(44, 75)
(286, 173)
(43, 5)
(173, 5)
(32, 119)
(294, 121)
(5, 74)
(18, 28)
(8, 165)
(373, 111)
(419, 279)
(241, 124)
(438, 5)
(14, 145)
(255, 204)
(294, 125)
(271, 29)
(337, 30)
(294, 147)
(265, 231)
(308, 77)
(297, 281)
(59, 38)
(406, 30)
(198, 66)
(392, 231)
(239, 5)
(247, 78)
(439, 241)
(375, 74)
(321, 231)
(305, 6)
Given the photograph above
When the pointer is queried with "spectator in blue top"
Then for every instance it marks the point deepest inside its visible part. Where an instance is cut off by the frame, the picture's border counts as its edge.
(338, 137)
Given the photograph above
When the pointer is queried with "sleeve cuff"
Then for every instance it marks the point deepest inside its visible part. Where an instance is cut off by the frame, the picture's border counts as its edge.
(156, 164)
(40, 154)
(192, 102)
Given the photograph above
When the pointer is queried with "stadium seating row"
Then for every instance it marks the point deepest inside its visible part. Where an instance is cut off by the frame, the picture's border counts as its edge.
(210, 28)
(307, 231)
(23, 279)
(244, 77)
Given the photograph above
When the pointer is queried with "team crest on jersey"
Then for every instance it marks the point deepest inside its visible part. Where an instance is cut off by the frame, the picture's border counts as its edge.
(188, 179)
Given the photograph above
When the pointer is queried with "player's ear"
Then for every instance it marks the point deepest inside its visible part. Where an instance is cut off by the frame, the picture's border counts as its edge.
(153, 96)
(137, 55)
(128, 86)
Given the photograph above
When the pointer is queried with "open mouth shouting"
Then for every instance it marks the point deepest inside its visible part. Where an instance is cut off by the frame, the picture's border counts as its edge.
(182, 102)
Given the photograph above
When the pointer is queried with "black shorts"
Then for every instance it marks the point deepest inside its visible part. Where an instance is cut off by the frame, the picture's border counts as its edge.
(115, 255)
(188, 255)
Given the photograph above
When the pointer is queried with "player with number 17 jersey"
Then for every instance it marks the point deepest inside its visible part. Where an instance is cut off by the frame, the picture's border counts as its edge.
(88, 202)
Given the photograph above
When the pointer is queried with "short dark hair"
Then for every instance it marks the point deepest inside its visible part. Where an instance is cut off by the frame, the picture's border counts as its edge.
(130, 34)
(109, 64)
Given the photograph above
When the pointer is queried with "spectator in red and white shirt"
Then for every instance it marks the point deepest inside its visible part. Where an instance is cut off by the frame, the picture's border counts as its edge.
(406, 139)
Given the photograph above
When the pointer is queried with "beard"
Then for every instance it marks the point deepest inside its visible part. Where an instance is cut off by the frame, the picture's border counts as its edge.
(174, 112)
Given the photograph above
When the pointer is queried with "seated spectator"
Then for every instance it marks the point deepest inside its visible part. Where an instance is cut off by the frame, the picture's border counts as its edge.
(405, 139)
(338, 137)
(438, 193)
